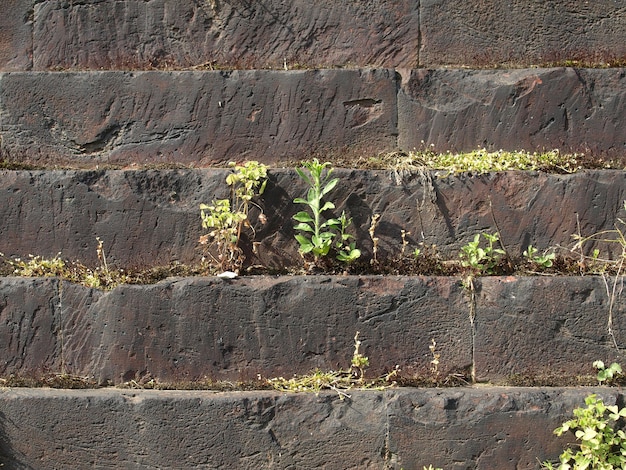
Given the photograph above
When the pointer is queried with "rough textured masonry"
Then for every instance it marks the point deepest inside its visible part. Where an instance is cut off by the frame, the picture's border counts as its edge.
(485, 429)
(138, 34)
(146, 218)
(209, 328)
(199, 118)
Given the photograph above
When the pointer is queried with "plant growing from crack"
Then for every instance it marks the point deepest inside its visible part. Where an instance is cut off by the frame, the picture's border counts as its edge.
(482, 260)
(340, 381)
(543, 261)
(227, 218)
(319, 237)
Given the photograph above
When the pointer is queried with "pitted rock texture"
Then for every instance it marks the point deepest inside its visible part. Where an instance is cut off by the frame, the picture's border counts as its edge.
(16, 35)
(195, 328)
(487, 33)
(135, 34)
(200, 118)
(151, 217)
(195, 118)
(240, 34)
(535, 325)
(574, 110)
(471, 428)
(190, 329)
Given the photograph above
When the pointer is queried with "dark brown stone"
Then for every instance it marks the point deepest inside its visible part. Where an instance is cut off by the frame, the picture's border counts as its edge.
(29, 325)
(195, 328)
(16, 35)
(195, 118)
(151, 217)
(573, 110)
(535, 325)
(487, 33)
(484, 428)
(270, 34)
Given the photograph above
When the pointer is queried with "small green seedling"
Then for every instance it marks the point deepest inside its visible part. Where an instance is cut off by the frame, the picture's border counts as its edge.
(541, 260)
(607, 374)
(479, 259)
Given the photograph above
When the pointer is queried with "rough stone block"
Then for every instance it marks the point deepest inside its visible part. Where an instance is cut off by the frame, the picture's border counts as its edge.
(195, 118)
(574, 110)
(480, 428)
(195, 328)
(16, 35)
(30, 333)
(538, 325)
(137, 34)
(489, 32)
(148, 218)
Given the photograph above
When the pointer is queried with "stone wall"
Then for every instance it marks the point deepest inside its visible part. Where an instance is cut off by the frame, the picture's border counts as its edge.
(131, 82)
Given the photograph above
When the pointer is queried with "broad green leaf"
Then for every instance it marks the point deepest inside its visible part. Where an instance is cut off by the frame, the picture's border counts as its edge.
(330, 186)
(328, 205)
(305, 245)
(303, 217)
(304, 227)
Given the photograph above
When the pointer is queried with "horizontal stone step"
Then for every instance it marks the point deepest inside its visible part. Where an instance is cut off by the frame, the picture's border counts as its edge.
(193, 329)
(468, 428)
(151, 217)
(136, 34)
(199, 118)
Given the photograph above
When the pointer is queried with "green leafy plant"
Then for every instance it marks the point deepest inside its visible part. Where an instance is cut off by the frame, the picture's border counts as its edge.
(319, 236)
(602, 446)
(227, 218)
(598, 428)
(543, 261)
(482, 260)
(607, 374)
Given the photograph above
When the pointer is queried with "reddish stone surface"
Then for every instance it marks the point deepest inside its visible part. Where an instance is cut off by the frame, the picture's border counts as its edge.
(488, 33)
(472, 428)
(189, 329)
(535, 325)
(195, 118)
(269, 34)
(573, 110)
(196, 328)
(16, 35)
(151, 217)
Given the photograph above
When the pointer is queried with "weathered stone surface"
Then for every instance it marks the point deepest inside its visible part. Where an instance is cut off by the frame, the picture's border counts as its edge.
(157, 33)
(189, 329)
(194, 328)
(146, 218)
(406, 33)
(16, 35)
(30, 333)
(482, 428)
(195, 118)
(536, 325)
(490, 32)
(574, 110)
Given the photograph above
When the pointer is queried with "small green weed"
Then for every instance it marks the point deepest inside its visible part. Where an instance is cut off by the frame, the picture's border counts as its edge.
(319, 237)
(542, 261)
(598, 428)
(482, 260)
(99, 278)
(340, 381)
(607, 374)
(482, 161)
(226, 218)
